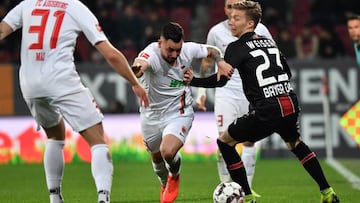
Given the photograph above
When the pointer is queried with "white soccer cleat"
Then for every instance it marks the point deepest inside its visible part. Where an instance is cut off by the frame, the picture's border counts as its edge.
(55, 196)
(103, 196)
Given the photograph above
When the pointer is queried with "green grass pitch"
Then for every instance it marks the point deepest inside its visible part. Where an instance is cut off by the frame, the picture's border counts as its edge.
(277, 180)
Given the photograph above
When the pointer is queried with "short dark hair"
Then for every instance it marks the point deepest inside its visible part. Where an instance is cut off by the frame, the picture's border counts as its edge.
(172, 31)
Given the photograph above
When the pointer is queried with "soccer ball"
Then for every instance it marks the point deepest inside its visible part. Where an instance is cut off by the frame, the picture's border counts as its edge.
(228, 192)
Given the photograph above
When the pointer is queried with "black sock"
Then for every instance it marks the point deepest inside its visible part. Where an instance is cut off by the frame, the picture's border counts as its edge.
(311, 164)
(234, 165)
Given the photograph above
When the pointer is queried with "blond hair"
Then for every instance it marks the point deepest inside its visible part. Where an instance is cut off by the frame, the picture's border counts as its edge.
(252, 10)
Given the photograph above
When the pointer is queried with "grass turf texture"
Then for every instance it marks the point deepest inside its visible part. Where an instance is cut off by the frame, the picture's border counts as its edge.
(277, 180)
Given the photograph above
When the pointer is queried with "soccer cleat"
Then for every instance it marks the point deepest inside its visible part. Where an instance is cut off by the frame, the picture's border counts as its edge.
(250, 198)
(255, 194)
(55, 196)
(329, 196)
(162, 190)
(103, 196)
(171, 189)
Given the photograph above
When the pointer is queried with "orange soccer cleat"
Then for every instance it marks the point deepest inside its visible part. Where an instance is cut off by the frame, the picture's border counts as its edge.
(162, 190)
(171, 189)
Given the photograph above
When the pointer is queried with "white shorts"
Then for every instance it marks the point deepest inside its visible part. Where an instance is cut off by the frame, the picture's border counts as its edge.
(154, 129)
(78, 109)
(227, 110)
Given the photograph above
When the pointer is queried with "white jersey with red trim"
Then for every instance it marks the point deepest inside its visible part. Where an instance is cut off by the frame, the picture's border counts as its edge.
(164, 82)
(49, 32)
(220, 36)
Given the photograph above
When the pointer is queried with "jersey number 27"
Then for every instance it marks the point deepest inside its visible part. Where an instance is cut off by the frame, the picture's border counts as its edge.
(263, 81)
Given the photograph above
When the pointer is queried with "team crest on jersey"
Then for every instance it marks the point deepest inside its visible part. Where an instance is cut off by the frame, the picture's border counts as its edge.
(145, 55)
(183, 131)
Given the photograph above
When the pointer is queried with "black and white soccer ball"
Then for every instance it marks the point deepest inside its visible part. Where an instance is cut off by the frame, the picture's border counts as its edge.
(228, 192)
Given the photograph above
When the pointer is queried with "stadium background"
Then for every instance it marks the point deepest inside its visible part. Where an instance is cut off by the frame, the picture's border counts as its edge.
(327, 52)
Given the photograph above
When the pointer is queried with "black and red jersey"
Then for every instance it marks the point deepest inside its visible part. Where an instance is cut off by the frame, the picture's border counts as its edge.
(265, 75)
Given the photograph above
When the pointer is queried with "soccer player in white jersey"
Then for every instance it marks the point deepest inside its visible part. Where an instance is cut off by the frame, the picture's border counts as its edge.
(230, 100)
(52, 88)
(167, 121)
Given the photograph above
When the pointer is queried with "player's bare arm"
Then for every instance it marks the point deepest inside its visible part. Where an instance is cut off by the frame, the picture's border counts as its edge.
(117, 60)
(119, 63)
(223, 68)
(5, 30)
(214, 55)
(205, 70)
(139, 66)
(206, 65)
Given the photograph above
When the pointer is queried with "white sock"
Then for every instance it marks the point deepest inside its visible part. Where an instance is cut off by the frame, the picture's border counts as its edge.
(249, 158)
(54, 163)
(161, 172)
(224, 175)
(174, 166)
(101, 167)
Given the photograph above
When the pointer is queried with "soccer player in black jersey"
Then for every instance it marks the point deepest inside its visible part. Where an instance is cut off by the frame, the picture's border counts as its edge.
(274, 106)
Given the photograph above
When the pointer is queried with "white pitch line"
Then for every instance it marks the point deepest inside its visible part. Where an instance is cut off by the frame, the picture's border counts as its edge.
(348, 175)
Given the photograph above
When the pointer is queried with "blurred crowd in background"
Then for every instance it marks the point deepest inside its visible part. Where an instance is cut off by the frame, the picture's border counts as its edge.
(303, 29)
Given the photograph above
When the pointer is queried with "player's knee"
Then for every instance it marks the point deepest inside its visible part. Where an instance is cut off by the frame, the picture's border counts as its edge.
(227, 139)
(292, 144)
(248, 144)
(167, 154)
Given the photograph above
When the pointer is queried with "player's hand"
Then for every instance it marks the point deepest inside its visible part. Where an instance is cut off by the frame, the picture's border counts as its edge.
(141, 93)
(136, 68)
(224, 69)
(188, 76)
(201, 99)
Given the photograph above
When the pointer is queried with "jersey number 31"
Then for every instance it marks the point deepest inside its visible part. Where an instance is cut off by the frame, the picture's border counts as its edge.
(40, 29)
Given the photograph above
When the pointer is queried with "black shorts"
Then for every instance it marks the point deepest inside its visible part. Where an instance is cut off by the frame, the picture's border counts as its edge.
(250, 128)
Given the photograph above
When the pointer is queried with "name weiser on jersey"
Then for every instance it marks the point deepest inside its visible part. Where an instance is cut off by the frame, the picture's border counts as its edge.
(260, 43)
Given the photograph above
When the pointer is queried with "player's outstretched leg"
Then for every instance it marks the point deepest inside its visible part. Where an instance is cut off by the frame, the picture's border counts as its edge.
(173, 181)
(235, 167)
(102, 171)
(54, 168)
(312, 166)
(162, 173)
